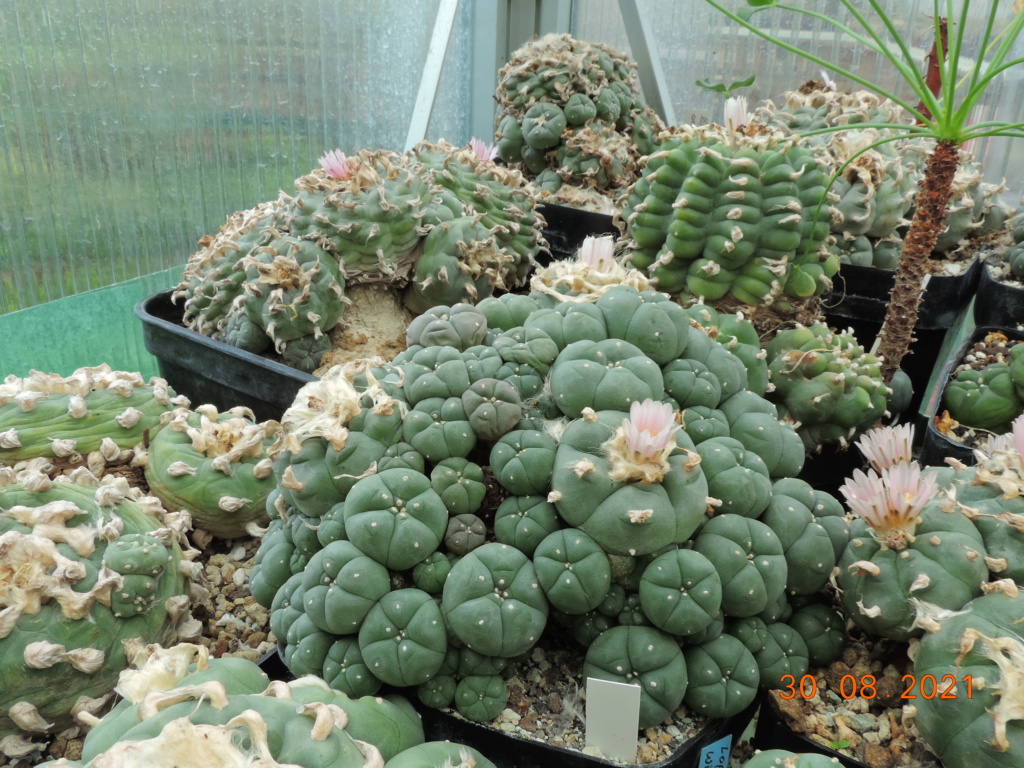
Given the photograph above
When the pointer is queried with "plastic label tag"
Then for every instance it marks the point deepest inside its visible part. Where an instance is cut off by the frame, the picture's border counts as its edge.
(716, 755)
(613, 718)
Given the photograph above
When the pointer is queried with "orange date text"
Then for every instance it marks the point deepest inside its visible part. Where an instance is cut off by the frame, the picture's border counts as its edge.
(866, 687)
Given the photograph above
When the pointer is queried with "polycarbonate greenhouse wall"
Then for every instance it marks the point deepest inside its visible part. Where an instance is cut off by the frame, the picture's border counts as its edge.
(130, 129)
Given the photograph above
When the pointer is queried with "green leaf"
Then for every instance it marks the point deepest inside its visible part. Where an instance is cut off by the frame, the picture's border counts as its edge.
(753, 6)
(707, 85)
(841, 744)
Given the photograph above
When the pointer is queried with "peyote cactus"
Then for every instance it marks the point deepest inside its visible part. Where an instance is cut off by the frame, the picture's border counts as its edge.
(986, 390)
(213, 465)
(571, 112)
(781, 758)
(443, 223)
(719, 212)
(86, 567)
(93, 416)
(539, 466)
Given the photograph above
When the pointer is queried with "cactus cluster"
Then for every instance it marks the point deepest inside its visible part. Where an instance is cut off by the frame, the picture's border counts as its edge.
(648, 504)
(826, 384)
(181, 708)
(719, 212)
(873, 199)
(85, 566)
(443, 223)
(571, 112)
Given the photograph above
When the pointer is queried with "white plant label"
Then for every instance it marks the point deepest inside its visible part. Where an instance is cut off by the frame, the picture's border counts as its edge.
(613, 718)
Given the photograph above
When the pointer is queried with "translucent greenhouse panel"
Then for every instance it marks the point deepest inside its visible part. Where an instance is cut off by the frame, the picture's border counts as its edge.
(695, 42)
(130, 129)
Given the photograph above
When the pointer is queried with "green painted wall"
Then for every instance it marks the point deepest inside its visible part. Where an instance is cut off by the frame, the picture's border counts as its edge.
(82, 330)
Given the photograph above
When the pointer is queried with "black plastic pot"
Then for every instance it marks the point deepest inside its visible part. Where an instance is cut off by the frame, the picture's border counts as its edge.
(710, 748)
(772, 733)
(997, 303)
(209, 371)
(568, 227)
(862, 293)
(936, 446)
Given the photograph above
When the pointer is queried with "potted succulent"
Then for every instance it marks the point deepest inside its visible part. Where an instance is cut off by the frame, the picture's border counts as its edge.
(342, 264)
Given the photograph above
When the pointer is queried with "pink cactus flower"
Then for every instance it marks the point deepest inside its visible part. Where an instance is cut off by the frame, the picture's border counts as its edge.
(886, 446)
(596, 253)
(650, 430)
(482, 150)
(891, 503)
(336, 164)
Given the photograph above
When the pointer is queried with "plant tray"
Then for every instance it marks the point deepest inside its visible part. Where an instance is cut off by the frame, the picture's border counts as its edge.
(209, 371)
(709, 749)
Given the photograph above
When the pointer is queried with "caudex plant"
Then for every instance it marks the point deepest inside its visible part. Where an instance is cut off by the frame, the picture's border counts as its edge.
(947, 97)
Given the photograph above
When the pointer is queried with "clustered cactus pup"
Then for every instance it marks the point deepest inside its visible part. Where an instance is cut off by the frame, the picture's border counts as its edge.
(616, 515)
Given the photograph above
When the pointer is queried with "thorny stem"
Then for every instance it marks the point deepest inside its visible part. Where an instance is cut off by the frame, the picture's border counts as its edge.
(898, 329)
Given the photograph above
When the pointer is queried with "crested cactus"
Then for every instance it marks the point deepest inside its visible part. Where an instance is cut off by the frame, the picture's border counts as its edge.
(85, 567)
(91, 416)
(214, 465)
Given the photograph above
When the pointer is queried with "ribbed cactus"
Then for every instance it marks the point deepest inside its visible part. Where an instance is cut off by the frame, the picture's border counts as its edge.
(91, 416)
(85, 567)
(986, 390)
(441, 222)
(572, 111)
(718, 212)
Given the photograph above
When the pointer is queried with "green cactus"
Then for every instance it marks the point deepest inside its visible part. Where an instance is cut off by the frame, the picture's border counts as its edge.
(573, 110)
(975, 656)
(493, 601)
(92, 415)
(681, 592)
(721, 212)
(724, 677)
(88, 569)
(214, 465)
(823, 631)
(642, 656)
(225, 712)
(573, 570)
(984, 399)
(779, 758)
(826, 384)
(778, 649)
(460, 326)
(403, 638)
